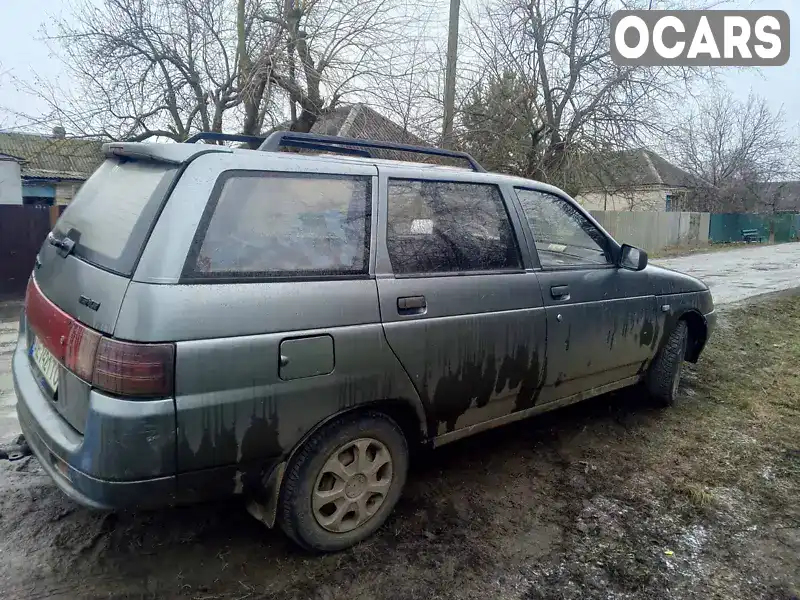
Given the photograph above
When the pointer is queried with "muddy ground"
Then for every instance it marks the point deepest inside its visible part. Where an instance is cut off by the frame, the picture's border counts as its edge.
(609, 499)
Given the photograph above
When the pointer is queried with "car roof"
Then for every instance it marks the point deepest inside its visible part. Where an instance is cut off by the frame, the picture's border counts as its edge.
(178, 153)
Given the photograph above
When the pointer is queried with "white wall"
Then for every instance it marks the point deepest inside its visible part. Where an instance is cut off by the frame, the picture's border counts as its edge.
(65, 191)
(10, 182)
(634, 199)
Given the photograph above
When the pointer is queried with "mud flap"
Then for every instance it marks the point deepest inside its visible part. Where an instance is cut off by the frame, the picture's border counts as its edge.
(267, 511)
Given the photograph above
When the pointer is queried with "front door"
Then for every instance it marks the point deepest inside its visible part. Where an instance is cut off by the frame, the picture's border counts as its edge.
(459, 310)
(602, 321)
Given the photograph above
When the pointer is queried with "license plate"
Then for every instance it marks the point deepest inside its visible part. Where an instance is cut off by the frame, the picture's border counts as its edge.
(47, 363)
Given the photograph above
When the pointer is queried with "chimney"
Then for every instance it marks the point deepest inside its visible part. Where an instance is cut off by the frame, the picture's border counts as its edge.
(59, 132)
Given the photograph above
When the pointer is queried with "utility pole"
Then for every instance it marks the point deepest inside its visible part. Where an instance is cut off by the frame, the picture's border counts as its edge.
(450, 75)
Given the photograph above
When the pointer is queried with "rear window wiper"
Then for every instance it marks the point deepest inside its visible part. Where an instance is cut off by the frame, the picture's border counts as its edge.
(64, 245)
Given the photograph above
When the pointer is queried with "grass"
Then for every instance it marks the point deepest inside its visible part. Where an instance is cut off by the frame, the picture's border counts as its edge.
(697, 495)
(742, 430)
(675, 251)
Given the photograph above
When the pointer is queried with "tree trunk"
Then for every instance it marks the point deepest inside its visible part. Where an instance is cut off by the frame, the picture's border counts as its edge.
(304, 122)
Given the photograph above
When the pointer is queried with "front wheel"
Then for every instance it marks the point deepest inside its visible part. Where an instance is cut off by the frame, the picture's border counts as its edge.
(664, 375)
(342, 484)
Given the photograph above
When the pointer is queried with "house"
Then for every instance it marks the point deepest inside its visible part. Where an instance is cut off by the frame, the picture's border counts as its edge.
(44, 170)
(636, 180)
(362, 122)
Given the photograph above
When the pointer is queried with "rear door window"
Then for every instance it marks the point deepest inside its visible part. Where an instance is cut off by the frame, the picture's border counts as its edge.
(283, 225)
(448, 227)
(113, 212)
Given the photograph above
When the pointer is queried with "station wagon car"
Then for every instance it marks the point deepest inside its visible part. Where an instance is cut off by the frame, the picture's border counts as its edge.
(207, 320)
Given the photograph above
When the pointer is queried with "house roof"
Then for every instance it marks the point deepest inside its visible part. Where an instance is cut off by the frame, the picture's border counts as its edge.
(636, 169)
(362, 122)
(47, 157)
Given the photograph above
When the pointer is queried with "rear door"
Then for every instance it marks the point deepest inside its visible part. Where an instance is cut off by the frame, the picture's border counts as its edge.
(458, 308)
(602, 321)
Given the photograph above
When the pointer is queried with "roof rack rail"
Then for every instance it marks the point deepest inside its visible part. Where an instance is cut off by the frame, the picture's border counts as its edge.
(254, 140)
(332, 143)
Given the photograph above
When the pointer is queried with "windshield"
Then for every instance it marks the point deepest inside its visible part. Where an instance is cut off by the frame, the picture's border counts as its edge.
(113, 212)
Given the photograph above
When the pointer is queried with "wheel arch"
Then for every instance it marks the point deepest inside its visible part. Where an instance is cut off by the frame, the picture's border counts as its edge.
(407, 413)
(698, 333)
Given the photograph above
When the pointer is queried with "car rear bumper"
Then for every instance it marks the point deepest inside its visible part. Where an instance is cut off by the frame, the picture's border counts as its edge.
(124, 459)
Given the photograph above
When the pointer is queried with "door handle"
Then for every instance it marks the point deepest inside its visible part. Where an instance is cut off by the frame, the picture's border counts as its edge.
(411, 305)
(560, 292)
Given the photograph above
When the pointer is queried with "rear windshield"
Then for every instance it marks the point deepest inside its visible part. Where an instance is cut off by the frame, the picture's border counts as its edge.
(283, 225)
(113, 212)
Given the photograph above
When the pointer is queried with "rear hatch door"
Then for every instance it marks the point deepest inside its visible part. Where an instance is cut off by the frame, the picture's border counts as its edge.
(86, 263)
(84, 267)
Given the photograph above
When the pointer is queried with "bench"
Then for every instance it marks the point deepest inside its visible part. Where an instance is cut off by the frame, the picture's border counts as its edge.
(751, 235)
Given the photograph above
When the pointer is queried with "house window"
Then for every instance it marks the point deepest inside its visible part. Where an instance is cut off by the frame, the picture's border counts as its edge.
(676, 201)
(38, 194)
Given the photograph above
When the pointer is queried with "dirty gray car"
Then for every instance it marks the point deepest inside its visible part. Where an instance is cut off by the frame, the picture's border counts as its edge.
(207, 320)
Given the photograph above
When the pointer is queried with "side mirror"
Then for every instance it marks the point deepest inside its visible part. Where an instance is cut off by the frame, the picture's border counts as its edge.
(632, 258)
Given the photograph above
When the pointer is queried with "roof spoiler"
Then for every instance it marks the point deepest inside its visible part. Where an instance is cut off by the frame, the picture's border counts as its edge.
(174, 154)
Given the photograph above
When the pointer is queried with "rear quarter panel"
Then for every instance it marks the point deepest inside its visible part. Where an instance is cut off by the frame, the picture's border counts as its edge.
(234, 413)
(233, 408)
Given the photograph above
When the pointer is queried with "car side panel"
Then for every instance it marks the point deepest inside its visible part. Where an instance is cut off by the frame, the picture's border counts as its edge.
(608, 328)
(259, 364)
(675, 306)
(477, 353)
(234, 409)
(173, 313)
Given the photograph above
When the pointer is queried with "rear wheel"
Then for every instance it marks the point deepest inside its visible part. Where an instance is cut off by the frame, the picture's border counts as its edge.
(664, 375)
(342, 484)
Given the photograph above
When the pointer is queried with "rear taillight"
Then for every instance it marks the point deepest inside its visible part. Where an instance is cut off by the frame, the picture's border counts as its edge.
(81, 350)
(124, 368)
(134, 369)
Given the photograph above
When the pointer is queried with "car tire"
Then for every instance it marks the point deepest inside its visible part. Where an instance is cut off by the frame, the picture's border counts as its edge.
(343, 483)
(664, 374)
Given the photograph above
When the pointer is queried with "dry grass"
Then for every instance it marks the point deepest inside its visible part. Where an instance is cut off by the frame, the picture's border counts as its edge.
(675, 251)
(746, 421)
(697, 495)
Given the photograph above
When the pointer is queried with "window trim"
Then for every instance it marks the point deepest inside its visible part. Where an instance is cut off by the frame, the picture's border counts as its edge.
(611, 246)
(386, 179)
(190, 276)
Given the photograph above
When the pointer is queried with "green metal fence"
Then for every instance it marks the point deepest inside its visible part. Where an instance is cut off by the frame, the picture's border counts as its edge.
(728, 227)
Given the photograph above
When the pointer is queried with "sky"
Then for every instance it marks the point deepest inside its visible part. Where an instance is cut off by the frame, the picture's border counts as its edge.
(24, 55)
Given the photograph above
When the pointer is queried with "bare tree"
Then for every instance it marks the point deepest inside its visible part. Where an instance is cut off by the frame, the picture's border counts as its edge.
(327, 49)
(408, 91)
(549, 63)
(741, 150)
(169, 68)
(144, 68)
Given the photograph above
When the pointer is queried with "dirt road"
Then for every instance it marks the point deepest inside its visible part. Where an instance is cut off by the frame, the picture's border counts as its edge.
(735, 275)
(607, 499)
